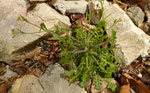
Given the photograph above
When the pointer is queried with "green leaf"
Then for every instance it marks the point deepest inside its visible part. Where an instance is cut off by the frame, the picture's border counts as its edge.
(97, 83)
(18, 19)
(1, 70)
(113, 34)
(56, 36)
(102, 9)
(83, 84)
(24, 19)
(93, 53)
(65, 60)
(111, 69)
(102, 24)
(43, 27)
(111, 86)
(69, 73)
(136, 23)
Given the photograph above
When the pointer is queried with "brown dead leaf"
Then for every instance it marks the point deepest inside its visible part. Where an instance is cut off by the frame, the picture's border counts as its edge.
(3, 87)
(146, 79)
(45, 61)
(52, 2)
(3, 68)
(32, 4)
(37, 72)
(140, 3)
(76, 20)
(26, 55)
(90, 87)
(121, 5)
(19, 70)
(125, 88)
(136, 83)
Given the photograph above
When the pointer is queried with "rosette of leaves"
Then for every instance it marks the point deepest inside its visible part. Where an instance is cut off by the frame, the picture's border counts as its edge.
(86, 57)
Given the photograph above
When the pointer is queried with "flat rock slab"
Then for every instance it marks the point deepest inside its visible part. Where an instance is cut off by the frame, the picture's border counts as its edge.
(132, 41)
(53, 81)
(10, 10)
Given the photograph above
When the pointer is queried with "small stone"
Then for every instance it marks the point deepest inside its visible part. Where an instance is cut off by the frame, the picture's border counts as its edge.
(8, 74)
(136, 14)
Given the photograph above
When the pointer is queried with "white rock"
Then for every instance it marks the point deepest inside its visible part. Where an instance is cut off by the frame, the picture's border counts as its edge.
(10, 10)
(132, 41)
(53, 81)
(71, 6)
(23, 85)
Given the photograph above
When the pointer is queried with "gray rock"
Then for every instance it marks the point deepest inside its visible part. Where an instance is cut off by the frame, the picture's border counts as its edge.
(148, 13)
(132, 41)
(8, 74)
(53, 81)
(10, 11)
(136, 14)
(71, 6)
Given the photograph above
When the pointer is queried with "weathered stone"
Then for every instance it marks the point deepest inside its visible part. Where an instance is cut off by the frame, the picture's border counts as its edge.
(23, 85)
(53, 81)
(8, 74)
(71, 6)
(132, 42)
(136, 14)
(10, 11)
(148, 13)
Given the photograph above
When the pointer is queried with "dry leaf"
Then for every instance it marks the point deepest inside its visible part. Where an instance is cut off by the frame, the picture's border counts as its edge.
(136, 83)
(3, 87)
(125, 88)
(45, 61)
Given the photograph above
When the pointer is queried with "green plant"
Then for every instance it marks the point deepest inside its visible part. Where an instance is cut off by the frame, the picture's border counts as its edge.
(83, 51)
(15, 31)
(1, 70)
(87, 53)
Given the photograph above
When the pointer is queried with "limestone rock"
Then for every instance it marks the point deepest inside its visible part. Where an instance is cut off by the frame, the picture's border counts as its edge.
(10, 10)
(136, 14)
(71, 6)
(132, 41)
(23, 85)
(53, 81)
